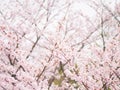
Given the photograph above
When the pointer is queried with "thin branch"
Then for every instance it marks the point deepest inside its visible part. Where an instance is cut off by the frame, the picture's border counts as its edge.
(90, 34)
(11, 61)
(105, 86)
(102, 31)
(81, 47)
(33, 47)
(103, 40)
(118, 76)
(111, 13)
(86, 87)
(20, 67)
(39, 75)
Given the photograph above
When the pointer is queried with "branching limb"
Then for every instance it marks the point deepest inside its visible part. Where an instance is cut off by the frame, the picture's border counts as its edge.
(111, 13)
(98, 27)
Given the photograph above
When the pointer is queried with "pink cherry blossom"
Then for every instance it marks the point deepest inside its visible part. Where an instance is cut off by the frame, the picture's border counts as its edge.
(59, 45)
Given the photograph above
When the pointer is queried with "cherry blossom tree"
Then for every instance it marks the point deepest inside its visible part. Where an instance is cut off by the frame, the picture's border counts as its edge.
(59, 45)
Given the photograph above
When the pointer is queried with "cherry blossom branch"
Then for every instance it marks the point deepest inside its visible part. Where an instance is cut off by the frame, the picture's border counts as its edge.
(86, 87)
(12, 62)
(117, 75)
(44, 68)
(111, 13)
(97, 28)
(33, 47)
(102, 32)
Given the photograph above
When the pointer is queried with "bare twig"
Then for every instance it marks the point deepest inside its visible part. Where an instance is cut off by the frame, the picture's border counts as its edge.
(118, 76)
(98, 26)
(20, 67)
(33, 47)
(111, 13)
(39, 75)
(11, 61)
(86, 87)
(102, 31)
(44, 68)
